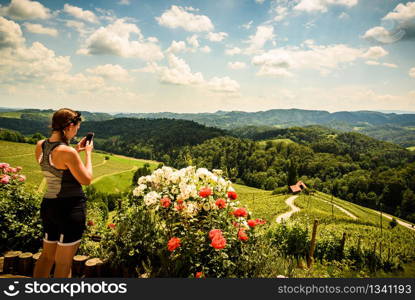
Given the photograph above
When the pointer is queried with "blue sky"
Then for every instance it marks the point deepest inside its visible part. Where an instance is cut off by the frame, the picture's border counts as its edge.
(204, 56)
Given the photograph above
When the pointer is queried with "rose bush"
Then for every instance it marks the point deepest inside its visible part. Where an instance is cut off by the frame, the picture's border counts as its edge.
(197, 225)
(20, 226)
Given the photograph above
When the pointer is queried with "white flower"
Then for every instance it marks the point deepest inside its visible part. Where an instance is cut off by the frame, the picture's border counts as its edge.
(151, 198)
(139, 190)
(203, 173)
(142, 180)
(191, 209)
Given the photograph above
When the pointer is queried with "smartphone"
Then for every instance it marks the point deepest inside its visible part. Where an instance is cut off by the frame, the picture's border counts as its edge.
(89, 137)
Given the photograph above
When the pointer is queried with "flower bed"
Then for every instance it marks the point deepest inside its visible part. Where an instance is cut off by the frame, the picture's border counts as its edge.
(185, 223)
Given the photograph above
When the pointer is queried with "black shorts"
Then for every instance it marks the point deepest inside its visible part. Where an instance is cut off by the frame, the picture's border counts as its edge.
(63, 220)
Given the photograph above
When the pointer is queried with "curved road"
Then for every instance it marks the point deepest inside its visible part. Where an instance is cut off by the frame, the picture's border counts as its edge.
(287, 215)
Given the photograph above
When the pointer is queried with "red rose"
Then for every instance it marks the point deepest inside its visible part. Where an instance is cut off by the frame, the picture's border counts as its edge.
(111, 225)
(221, 203)
(260, 221)
(165, 202)
(173, 243)
(218, 242)
(91, 223)
(242, 235)
(240, 212)
(215, 232)
(252, 223)
(235, 224)
(205, 192)
(180, 201)
(232, 195)
(199, 275)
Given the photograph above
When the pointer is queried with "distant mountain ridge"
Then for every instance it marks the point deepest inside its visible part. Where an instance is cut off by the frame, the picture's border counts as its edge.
(284, 118)
(392, 127)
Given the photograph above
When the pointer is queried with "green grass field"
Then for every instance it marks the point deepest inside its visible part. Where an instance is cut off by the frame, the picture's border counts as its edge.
(110, 175)
(411, 148)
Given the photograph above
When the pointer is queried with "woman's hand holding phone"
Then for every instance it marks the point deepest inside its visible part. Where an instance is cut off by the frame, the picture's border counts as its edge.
(86, 143)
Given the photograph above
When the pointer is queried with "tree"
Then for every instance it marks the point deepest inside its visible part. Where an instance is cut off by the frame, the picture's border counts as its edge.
(292, 173)
(143, 171)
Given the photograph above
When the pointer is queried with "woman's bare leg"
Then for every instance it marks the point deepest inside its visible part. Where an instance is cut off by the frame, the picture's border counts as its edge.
(63, 260)
(45, 262)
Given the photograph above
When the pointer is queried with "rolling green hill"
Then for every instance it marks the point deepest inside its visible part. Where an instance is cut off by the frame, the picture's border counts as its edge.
(361, 225)
(116, 169)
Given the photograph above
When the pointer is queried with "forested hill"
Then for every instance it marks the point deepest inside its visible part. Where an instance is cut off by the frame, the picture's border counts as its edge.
(141, 138)
(285, 117)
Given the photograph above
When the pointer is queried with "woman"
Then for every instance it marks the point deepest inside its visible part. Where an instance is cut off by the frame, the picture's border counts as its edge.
(63, 206)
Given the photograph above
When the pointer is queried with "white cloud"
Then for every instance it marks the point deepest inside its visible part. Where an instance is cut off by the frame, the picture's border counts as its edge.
(205, 49)
(380, 34)
(216, 36)
(233, 51)
(322, 5)
(281, 12)
(400, 23)
(260, 1)
(257, 41)
(39, 29)
(372, 63)
(10, 34)
(282, 61)
(115, 40)
(389, 65)
(412, 72)
(124, 2)
(31, 63)
(236, 65)
(78, 26)
(224, 84)
(193, 41)
(25, 10)
(178, 16)
(376, 63)
(247, 25)
(375, 53)
(109, 71)
(179, 72)
(402, 12)
(176, 47)
(79, 13)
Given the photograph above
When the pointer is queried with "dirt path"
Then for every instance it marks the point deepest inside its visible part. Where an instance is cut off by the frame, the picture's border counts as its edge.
(341, 208)
(402, 223)
(287, 215)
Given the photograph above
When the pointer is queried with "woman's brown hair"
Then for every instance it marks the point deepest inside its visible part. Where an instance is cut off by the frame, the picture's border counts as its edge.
(62, 119)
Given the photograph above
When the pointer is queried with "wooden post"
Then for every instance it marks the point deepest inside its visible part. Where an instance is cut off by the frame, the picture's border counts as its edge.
(35, 258)
(93, 268)
(1, 264)
(342, 242)
(78, 265)
(25, 265)
(310, 258)
(11, 260)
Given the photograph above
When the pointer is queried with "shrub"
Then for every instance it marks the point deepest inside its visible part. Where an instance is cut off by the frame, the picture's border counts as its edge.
(183, 222)
(20, 226)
